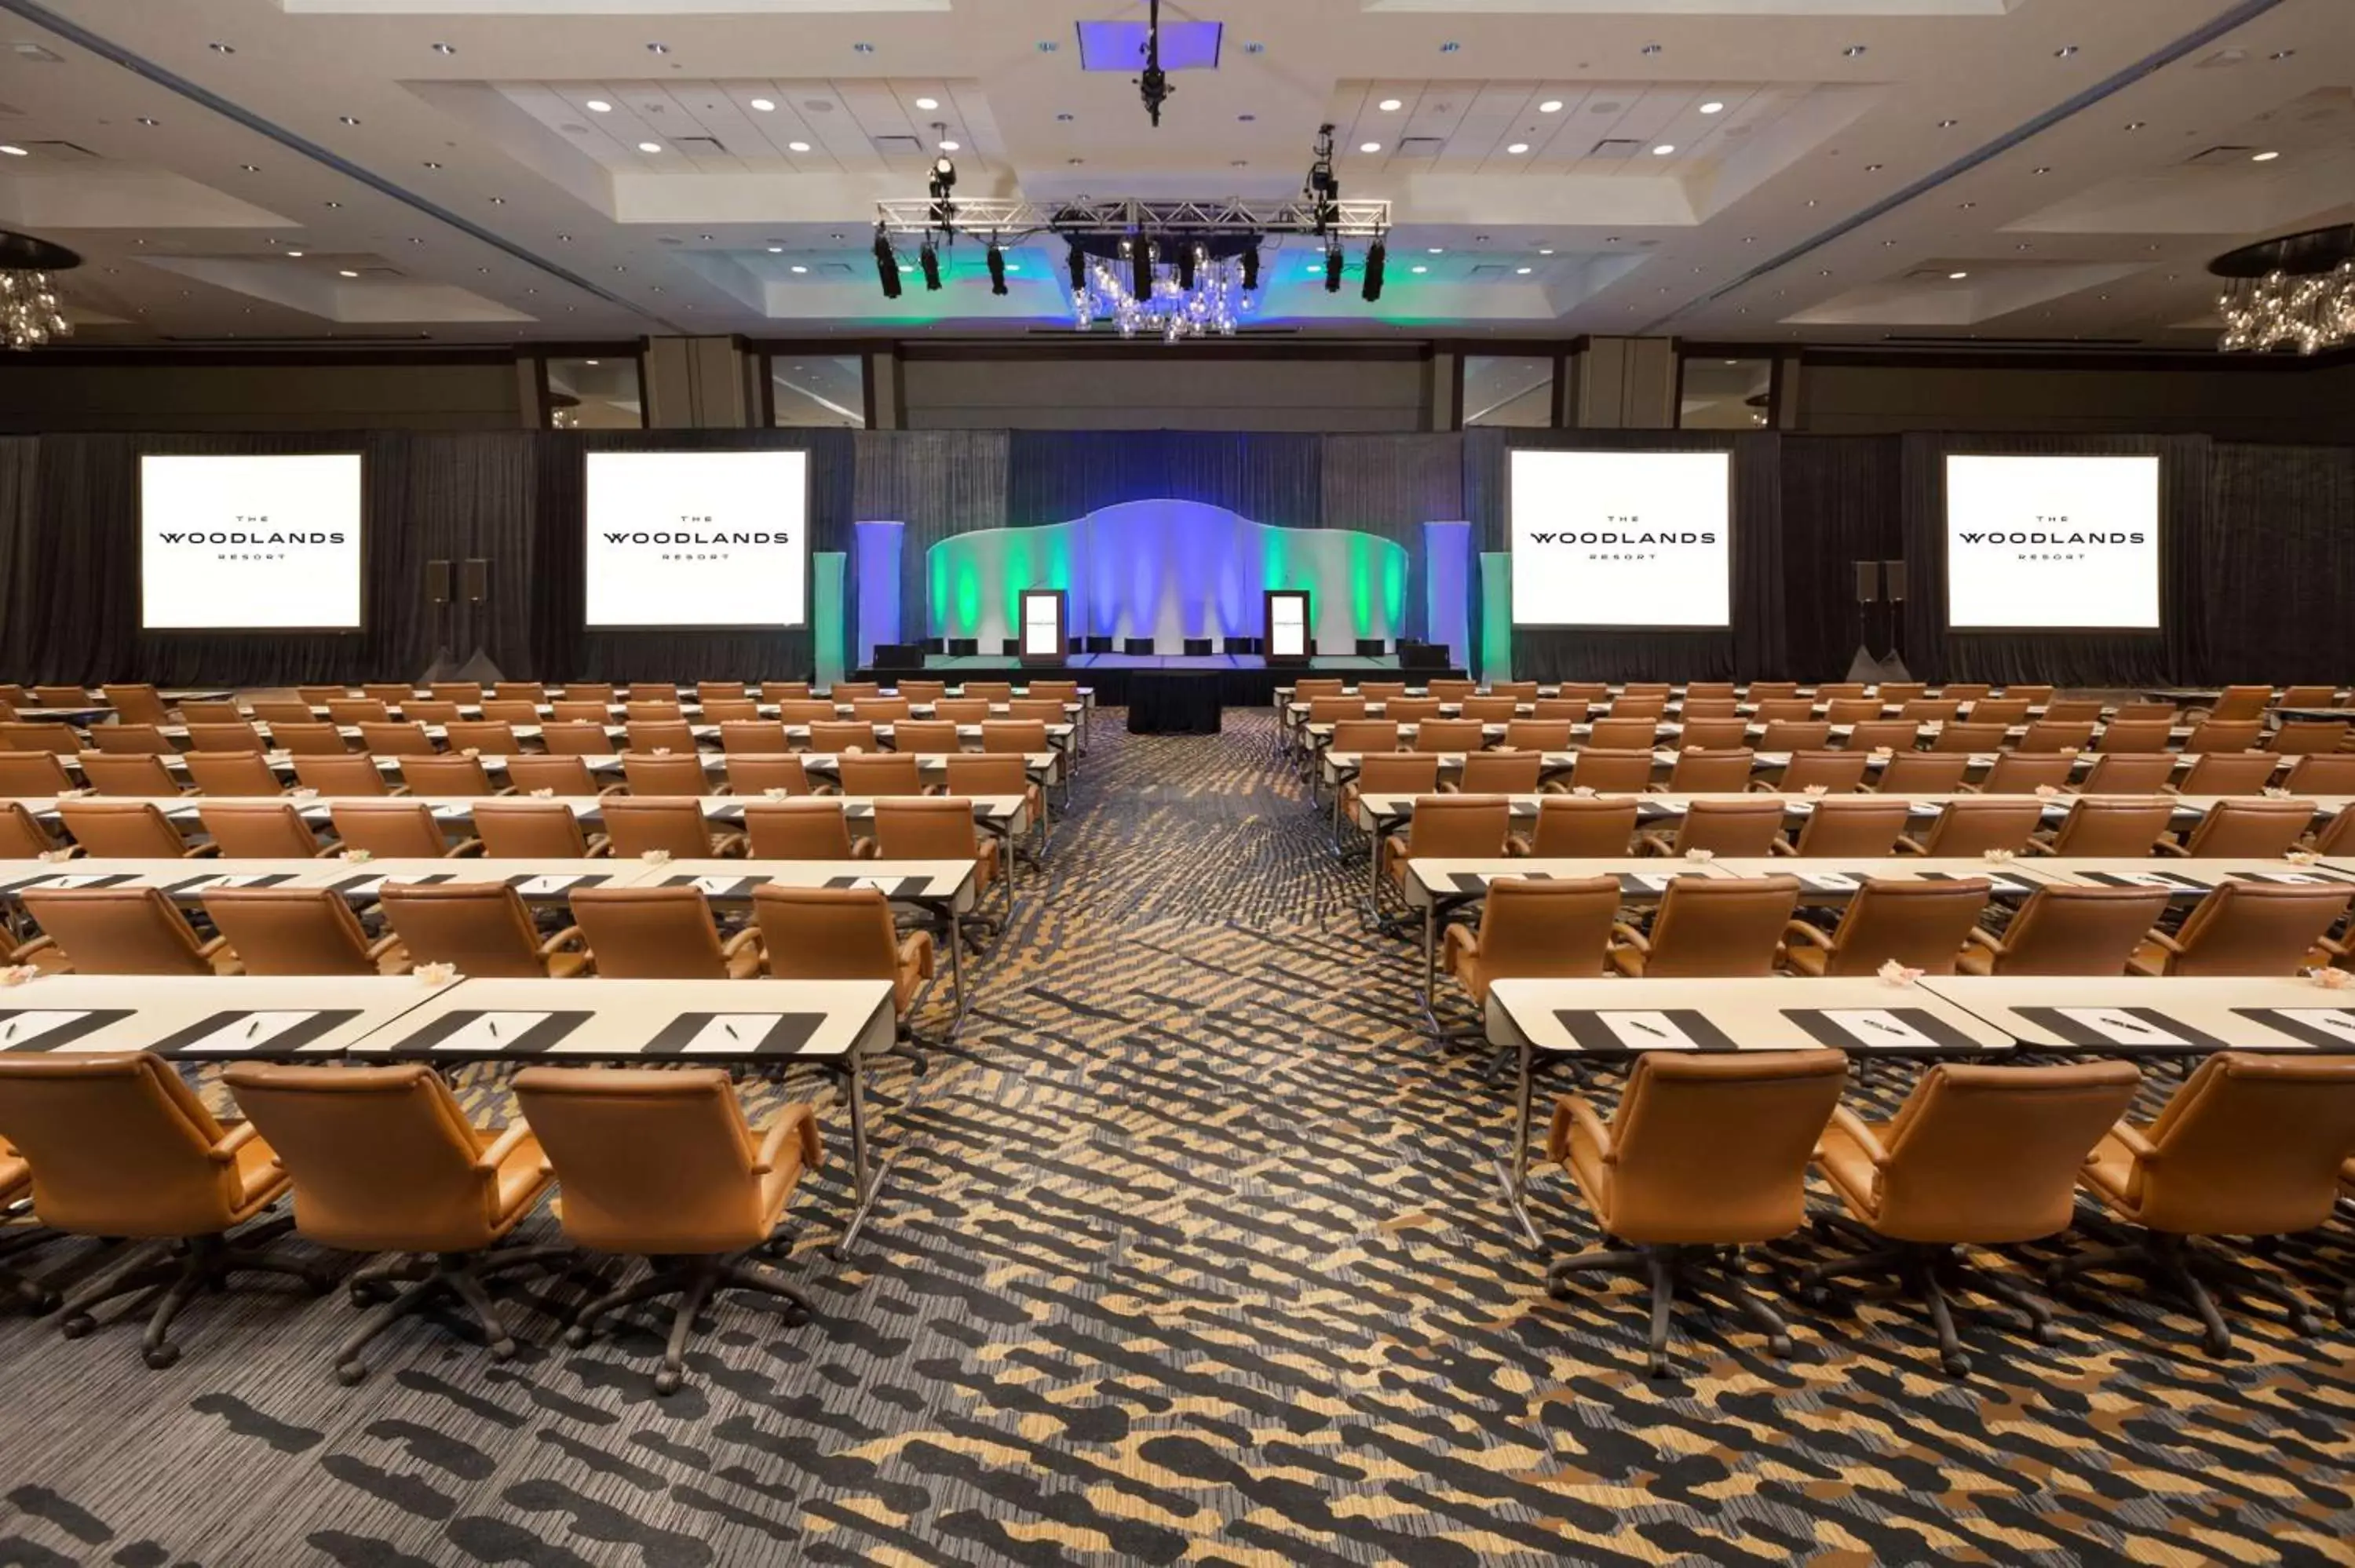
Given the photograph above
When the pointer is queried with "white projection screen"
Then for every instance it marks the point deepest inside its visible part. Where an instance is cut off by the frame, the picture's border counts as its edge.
(712, 540)
(233, 543)
(2061, 543)
(1621, 538)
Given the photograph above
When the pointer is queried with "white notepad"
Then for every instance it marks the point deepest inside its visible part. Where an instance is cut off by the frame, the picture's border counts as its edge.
(732, 1032)
(29, 1027)
(1876, 1028)
(491, 1031)
(251, 1033)
(540, 886)
(2329, 1020)
(1647, 1032)
(1829, 881)
(2117, 1024)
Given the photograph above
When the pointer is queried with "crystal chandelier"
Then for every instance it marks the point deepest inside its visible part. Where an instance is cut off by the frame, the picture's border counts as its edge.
(29, 315)
(1172, 307)
(2295, 292)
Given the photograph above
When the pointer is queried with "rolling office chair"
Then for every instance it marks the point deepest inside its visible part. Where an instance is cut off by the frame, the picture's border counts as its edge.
(1911, 773)
(2096, 828)
(234, 735)
(1711, 927)
(478, 928)
(451, 775)
(514, 829)
(1967, 828)
(1851, 827)
(661, 933)
(300, 931)
(129, 775)
(22, 837)
(807, 829)
(121, 931)
(2129, 773)
(2247, 928)
(1921, 925)
(677, 774)
(847, 933)
(1710, 772)
(2246, 829)
(2067, 931)
(1609, 771)
(1556, 930)
(2024, 773)
(1498, 773)
(35, 775)
(637, 825)
(1746, 829)
(396, 829)
(558, 774)
(233, 774)
(126, 830)
(2228, 773)
(342, 774)
(754, 774)
(1580, 827)
(130, 740)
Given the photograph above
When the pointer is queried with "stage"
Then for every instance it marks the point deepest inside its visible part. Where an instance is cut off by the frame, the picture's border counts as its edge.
(1245, 679)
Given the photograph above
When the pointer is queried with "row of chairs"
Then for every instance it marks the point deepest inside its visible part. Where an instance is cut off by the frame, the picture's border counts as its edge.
(1706, 1155)
(497, 738)
(661, 1165)
(1355, 733)
(2233, 702)
(1574, 928)
(719, 710)
(1497, 709)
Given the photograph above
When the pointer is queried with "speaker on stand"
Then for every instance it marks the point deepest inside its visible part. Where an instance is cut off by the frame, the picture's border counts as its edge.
(475, 593)
(437, 619)
(1863, 666)
(1893, 666)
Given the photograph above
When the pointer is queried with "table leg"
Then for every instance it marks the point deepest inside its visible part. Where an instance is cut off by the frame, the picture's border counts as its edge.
(957, 973)
(1430, 951)
(1514, 1179)
(866, 1187)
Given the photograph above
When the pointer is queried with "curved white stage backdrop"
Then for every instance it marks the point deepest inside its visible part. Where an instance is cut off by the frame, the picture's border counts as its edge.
(1168, 570)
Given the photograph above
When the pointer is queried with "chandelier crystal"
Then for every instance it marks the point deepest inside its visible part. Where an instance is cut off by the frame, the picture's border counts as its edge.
(2297, 292)
(1168, 309)
(29, 315)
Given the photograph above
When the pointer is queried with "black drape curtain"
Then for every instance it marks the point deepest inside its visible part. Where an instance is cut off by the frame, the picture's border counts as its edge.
(1842, 504)
(2060, 658)
(1754, 646)
(935, 484)
(2274, 567)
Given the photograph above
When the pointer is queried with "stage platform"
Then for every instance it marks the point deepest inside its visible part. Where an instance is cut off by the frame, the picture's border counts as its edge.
(1245, 679)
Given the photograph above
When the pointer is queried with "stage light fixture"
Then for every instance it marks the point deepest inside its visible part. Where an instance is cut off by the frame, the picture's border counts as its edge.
(1078, 262)
(995, 260)
(1376, 254)
(1251, 265)
(929, 260)
(1140, 269)
(887, 266)
(1332, 270)
(1188, 255)
(1323, 189)
(1152, 83)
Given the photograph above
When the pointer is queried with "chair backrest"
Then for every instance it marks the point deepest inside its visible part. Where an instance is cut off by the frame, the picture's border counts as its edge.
(1712, 772)
(491, 738)
(518, 692)
(147, 740)
(1852, 710)
(933, 691)
(22, 837)
(1499, 773)
(757, 737)
(309, 739)
(529, 830)
(2310, 696)
(1365, 735)
(1922, 925)
(1025, 735)
(652, 1160)
(1854, 826)
(1772, 691)
(1398, 773)
(2000, 710)
(1713, 733)
(117, 930)
(2103, 827)
(880, 773)
(755, 773)
(784, 691)
(276, 711)
(1446, 735)
(809, 710)
(659, 735)
(1536, 735)
(572, 738)
(119, 1145)
(1584, 827)
(454, 691)
(357, 710)
(235, 736)
(2225, 734)
(560, 774)
(258, 829)
(1623, 734)
(510, 711)
(2295, 737)
(445, 773)
(2021, 773)
(650, 933)
(396, 741)
(319, 696)
(2322, 773)
(2255, 829)
(1746, 829)
(1715, 1148)
(678, 773)
(1332, 710)
(1375, 691)
(1408, 710)
(2242, 703)
(574, 711)
(2129, 772)
(809, 828)
(719, 691)
(135, 702)
(729, 710)
(33, 774)
(638, 823)
(391, 693)
(1709, 689)
(651, 692)
(2145, 713)
(232, 773)
(881, 710)
(924, 738)
(2079, 930)
(1631, 707)
(2126, 735)
(1796, 735)
(55, 695)
(1899, 735)
(1832, 691)
(1834, 772)
(388, 829)
(477, 928)
(1970, 737)
(842, 735)
(1967, 828)
(1459, 827)
(2255, 928)
(974, 774)
(1041, 709)
(2229, 773)
(291, 930)
(1720, 926)
(1553, 929)
(2250, 1145)
(58, 739)
(826, 933)
(986, 690)
(343, 773)
(1992, 1154)
(1489, 710)
(926, 827)
(1310, 687)
(1454, 691)
(121, 830)
(1922, 710)
(141, 775)
(429, 710)
(1609, 770)
(2058, 734)
(1574, 709)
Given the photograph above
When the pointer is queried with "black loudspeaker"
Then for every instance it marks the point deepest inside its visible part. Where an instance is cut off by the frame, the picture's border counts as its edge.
(1370, 648)
(1137, 645)
(1893, 573)
(474, 579)
(1868, 582)
(1077, 645)
(437, 582)
(898, 656)
(1197, 647)
(1423, 656)
(1241, 645)
(935, 645)
(1099, 644)
(1010, 646)
(964, 647)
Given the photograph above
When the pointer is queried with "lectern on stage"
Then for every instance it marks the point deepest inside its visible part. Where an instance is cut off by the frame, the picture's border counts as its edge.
(1287, 627)
(1046, 615)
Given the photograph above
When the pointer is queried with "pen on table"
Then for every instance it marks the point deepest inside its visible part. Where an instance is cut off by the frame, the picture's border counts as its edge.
(731, 1030)
(251, 1025)
(1648, 1029)
(1884, 1028)
(495, 1028)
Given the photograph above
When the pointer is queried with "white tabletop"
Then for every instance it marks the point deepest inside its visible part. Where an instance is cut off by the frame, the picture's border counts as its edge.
(641, 1019)
(1834, 879)
(1620, 1017)
(204, 1016)
(2130, 1012)
(1641, 880)
(730, 880)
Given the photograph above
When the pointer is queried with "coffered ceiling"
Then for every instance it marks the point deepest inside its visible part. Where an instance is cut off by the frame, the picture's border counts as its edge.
(1866, 171)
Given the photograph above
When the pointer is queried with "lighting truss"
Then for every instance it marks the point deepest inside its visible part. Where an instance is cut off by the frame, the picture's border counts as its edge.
(1130, 216)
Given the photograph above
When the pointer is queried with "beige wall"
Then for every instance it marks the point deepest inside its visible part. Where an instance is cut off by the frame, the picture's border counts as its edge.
(2285, 405)
(1141, 393)
(424, 397)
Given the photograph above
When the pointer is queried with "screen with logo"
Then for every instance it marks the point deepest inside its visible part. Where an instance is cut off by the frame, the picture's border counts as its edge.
(2056, 543)
(708, 539)
(1622, 538)
(233, 543)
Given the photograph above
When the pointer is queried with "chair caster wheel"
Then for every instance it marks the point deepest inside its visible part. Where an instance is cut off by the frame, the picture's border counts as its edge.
(2216, 1344)
(366, 1295)
(1779, 1347)
(1956, 1365)
(2045, 1334)
(351, 1373)
(666, 1381)
(501, 1349)
(161, 1356)
(41, 1303)
(1813, 1296)
(578, 1337)
(78, 1325)
(1658, 1366)
(319, 1281)
(2307, 1324)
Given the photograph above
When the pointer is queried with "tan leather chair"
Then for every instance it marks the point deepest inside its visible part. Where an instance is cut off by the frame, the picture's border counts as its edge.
(1796, 735)
(396, 829)
(1705, 1154)
(1965, 829)
(2336, 836)
(1710, 691)
(841, 736)
(1447, 734)
(1497, 773)
(392, 694)
(27, 736)
(2322, 773)
(135, 775)
(1580, 827)
(719, 691)
(581, 712)
(1931, 710)
(659, 1163)
(276, 711)
(429, 710)
(730, 710)
(661, 933)
(2310, 695)
(1970, 737)
(878, 774)
(651, 692)
(2247, 928)
(1834, 772)
(1556, 930)
(674, 736)
(2297, 737)
(2225, 734)
(1851, 826)
(238, 736)
(1711, 927)
(22, 837)
(300, 931)
(1921, 925)
(2100, 828)
(1772, 691)
(301, 740)
(1619, 734)
(1976, 1157)
(818, 710)
(448, 775)
(2248, 830)
(1710, 772)
(233, 774)
(2228, 773)
(34, 774)
(638, 825)
(514, 829)
(120, 1147)
(784, 691)
(880, 710)
(572, 738)
(599, 692)
(1541, 734)
(559, 775)
(1450, 827)
(55, 695)
(843, 933)
(1852, 710)
(2051, 734)
(652, 714)
(1899, 735)
(2144, 713)
(808, 829)
(197, 713)
(125, 830)
(1911, 773)
(1484, 710)
(487, 737)
(1370, 736)
(757, 773)
(1746, 829)
(2022, 773)
(121, 931)
(2137, 735)
(1045, 690)
(344, 775)
(1391, 773)
(1608, 771)
(260, 830)
(2000, 710)
(130, 740)
(937, 827)
(1959, 691)
(925, 737)
(518, 692)
(479, 928)
(1024, 735)
(135, 702)
(976, 775)
(396, 741)
(2067, 931)
(511, 711)
(1403, 708)
(677, 774)
(2251, 1145)
(454, 691)
(2129, 773)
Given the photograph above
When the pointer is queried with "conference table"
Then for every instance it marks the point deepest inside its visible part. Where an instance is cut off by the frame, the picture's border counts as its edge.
(840, 1026)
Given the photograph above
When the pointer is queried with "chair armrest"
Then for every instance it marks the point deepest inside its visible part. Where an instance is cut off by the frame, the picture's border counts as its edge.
(462, 848)
(749, 937)
(197, 851)
(1906, 845)
(2165, 941)
(382, 946)
(1572, 1110)
(1631, 936)
(1984, 939)
(497, 1152)
(397, 789)
(1848, 1122)
(217, 945)
(2141, 1148)
(796, 1121)
(1781, 846)
(2040, 843)
(2168, 846)
(571, 937)
(727, 845)
(1653, 843)
(612, 789)
(235, 1136)
(38, 944)
(1814, 936)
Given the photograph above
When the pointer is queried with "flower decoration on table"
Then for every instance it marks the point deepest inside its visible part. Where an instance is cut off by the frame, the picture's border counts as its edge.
(1895, 973)
(776, 792)
(1689, 750)
(655, 856)
(2331, 978)
(57, 856)
(662, 751)
(303, 792)
(1883, 751)
(18, 974)
(545, 792)
(852, 750)
(2275, 792)
(2300, 856)
(1998, 856)
(82, 794)
(437, 974)
(360, 857)
(1587, 790)
(471, 751)
(2047, 791)
(1700, 855)
(1816, 791)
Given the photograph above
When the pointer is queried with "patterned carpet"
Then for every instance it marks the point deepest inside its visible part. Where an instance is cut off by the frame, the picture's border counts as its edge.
(1191, 1255)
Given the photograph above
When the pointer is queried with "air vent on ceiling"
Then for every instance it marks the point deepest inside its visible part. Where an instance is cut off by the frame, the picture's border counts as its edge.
(2222, 57)
(2226, 153)
(36, 54)
(832, 270)
(1421, 146)
(690, 145)
(899, 146)
(1489, 271)
(62, 152)
(1616, 147)
(376, 269)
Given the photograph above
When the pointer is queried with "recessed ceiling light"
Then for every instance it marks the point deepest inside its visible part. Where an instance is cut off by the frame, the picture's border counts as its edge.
(431, 164)
(1370, 146)
(445, 48)
(1450, 46)
(765, 105)
(1651, 49)
(1664, 149)
(927, 103)
(564, 240)
(1524, 270)
(657, 49)
(2137, 124)
(296, 254)
(1075, 163)
(14, 151)
(1518, 148)
(333, 204)
(2064, 51)
(498, 201)
(1545, 249)
(1418, 267)
(2263, 157)
(952, 146)
(222, 48)
(649, 146)
(346, 120)
(1965, 205)
(599, 106)
(249, 168)
(2281, 54)
(1957, 277)
(1948, 124)
(796, 146)
(1245, 119)
(1853, 51)
(707, 238)
(2041, 169)
(346, 272)
(1888, 244)
(1874, 168)
(869, 49)
(799, 268)
(1438, 250)
(144, 119)
(1713, 107)
(1550, 106)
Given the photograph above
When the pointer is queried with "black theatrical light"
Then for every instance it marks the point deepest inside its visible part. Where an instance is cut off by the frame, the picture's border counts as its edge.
(943, 176)
(1188, 255)
(929, 260)
(1375, 256)
(1152, 85)
(1079, 264)
(996, 260)
(1140, 270)
(887, 266)
(1332, 270)
(1251, 265)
